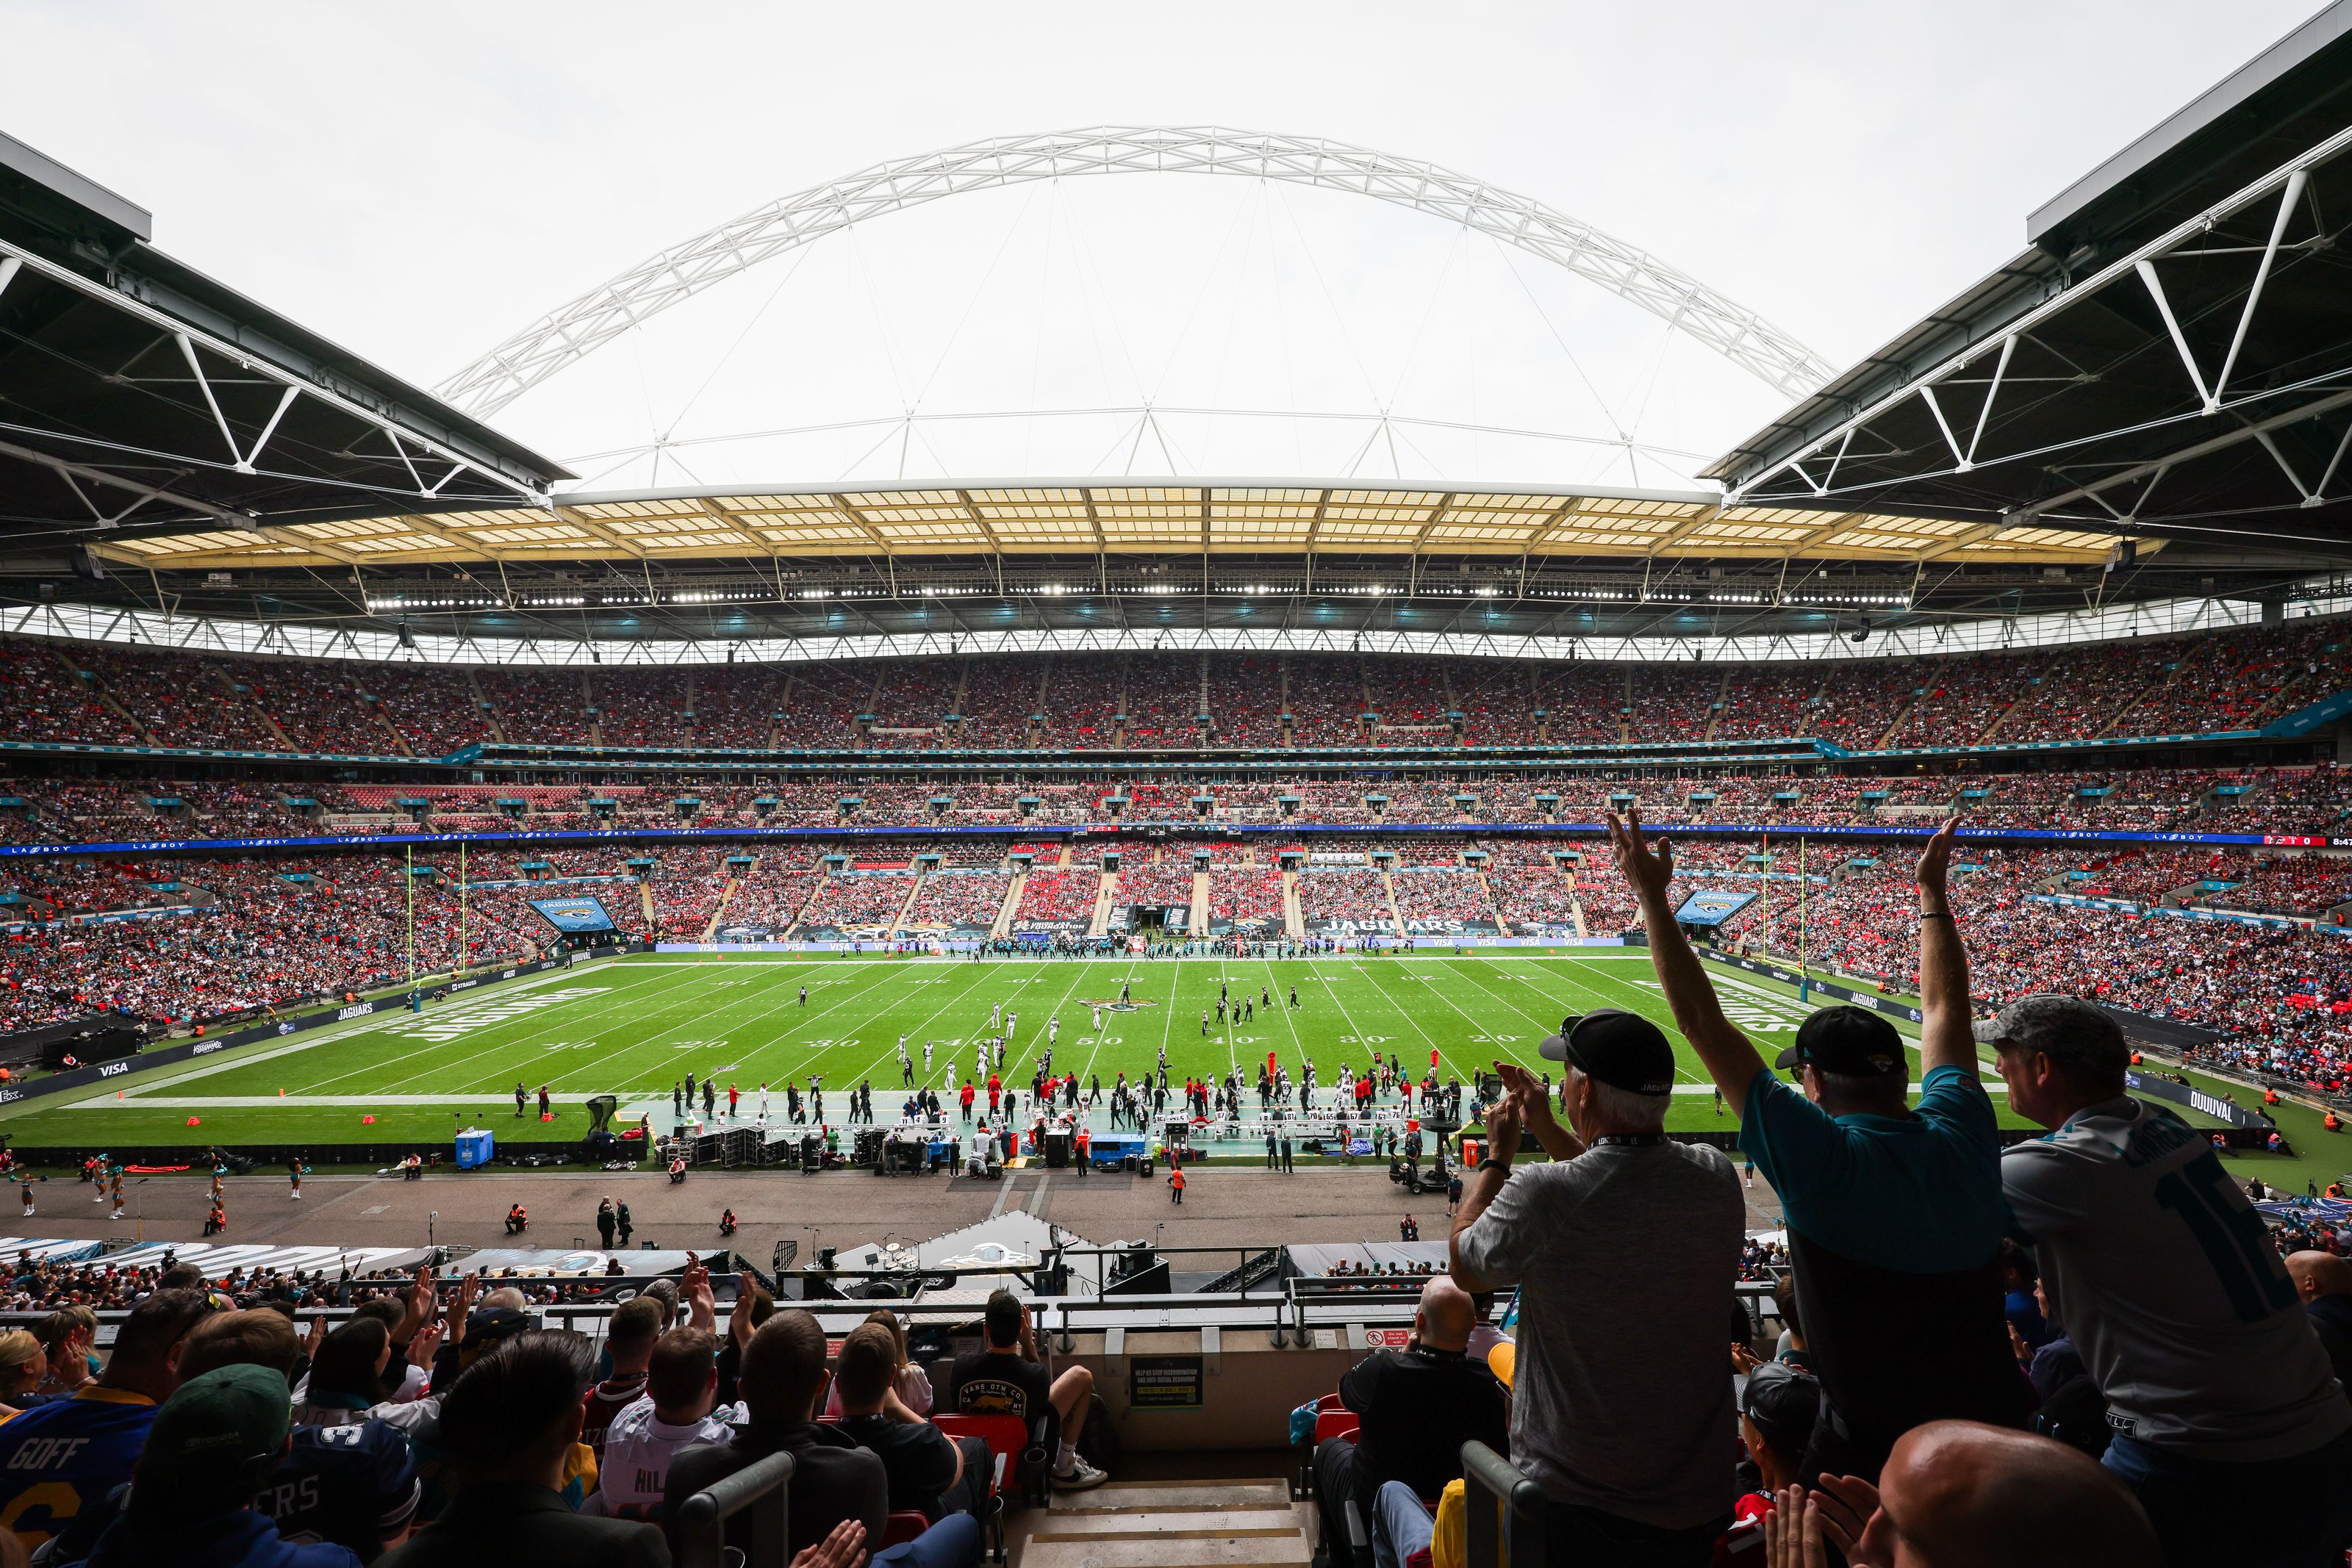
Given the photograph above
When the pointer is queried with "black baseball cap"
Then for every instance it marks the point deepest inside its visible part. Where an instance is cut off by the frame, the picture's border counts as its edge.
(1854, 1041)
(1622, 1049)
(1784, 1404)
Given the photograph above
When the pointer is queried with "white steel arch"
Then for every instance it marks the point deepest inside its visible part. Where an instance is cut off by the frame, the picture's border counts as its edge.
(578, 327)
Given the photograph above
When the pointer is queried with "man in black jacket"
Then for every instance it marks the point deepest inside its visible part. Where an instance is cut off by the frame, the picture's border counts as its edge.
(508, 1426)
(1419, 1406)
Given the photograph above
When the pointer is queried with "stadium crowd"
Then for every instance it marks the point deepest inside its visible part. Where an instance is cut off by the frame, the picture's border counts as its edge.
(2302, 800)
(119, 696)
(438, 1419)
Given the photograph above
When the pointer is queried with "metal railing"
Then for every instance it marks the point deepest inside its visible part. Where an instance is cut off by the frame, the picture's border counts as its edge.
(1503, 1516)
(763, 1486)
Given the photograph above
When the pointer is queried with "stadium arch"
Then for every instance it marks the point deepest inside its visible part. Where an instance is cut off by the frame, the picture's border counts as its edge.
(578, 327)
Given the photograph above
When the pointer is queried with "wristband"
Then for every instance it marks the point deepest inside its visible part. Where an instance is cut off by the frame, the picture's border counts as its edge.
(1935, 915)
(1491, 1163)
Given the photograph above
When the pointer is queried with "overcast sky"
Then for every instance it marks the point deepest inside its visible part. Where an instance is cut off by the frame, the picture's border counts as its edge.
(418, 180)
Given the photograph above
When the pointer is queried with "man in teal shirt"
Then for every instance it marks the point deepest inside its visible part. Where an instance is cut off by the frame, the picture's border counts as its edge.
(1894, 1211)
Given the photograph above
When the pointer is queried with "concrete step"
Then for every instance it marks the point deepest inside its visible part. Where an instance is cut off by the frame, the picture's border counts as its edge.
(1168, 1497)
(1289, 1551)
(1065, 1524)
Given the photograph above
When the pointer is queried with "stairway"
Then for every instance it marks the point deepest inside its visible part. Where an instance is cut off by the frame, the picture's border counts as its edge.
(719, 913)
(231, 694)
(2017, 705)
(2149, 694)
(1002, 925)
(1720, 705)
(1885, 738)
(1106, 895)
(1198, 921)
(400, 747)
(482, 706)
(1172, 1524)
(816, 886)
(1388, 887)
(914, 891)
(1486, 886)
(1294, 918)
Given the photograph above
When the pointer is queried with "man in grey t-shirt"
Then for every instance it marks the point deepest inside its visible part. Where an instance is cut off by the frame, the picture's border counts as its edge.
(2229, 1423)
(1625, 1248)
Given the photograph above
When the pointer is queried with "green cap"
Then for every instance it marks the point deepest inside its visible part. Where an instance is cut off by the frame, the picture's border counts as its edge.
(223, 1429)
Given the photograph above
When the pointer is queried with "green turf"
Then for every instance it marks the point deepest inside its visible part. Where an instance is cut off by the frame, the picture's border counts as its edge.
(633, 1026)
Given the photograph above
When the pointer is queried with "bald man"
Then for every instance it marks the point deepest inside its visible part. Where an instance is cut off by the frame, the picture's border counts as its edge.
(2324, 1282)
(1958, 1494)
(1419, 1406)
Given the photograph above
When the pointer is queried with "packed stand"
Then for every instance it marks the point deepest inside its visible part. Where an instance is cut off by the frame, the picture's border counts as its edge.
(1345, 894)
(1165, 883)
(1442, 898)
(1163, 699)
(1325, 695)
(860, 902)
(1057, 896)
(965, 899)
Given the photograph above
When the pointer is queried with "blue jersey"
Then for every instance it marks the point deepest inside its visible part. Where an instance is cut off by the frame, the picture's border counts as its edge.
(352, 1486)
(60, 1460)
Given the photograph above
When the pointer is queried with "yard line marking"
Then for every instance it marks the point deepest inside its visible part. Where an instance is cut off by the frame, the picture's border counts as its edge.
(1088, 1072)
(726, 1030)
(1427, 1039)
(1544, 1030)
(1472, 1074)
(309, 1041)
(891, 1054)
(379, 1066)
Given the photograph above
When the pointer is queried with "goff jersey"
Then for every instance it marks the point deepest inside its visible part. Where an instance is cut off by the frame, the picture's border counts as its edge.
(58, 1460)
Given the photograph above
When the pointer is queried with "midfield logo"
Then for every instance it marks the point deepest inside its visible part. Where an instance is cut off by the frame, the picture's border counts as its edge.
(1111, 1004)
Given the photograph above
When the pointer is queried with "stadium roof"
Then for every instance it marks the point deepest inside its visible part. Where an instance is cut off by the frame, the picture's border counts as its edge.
(138, 395)
(2168, 359)
(1128, 517)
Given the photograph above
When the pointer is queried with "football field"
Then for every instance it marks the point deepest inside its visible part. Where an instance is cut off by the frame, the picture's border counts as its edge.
(634, 1027)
